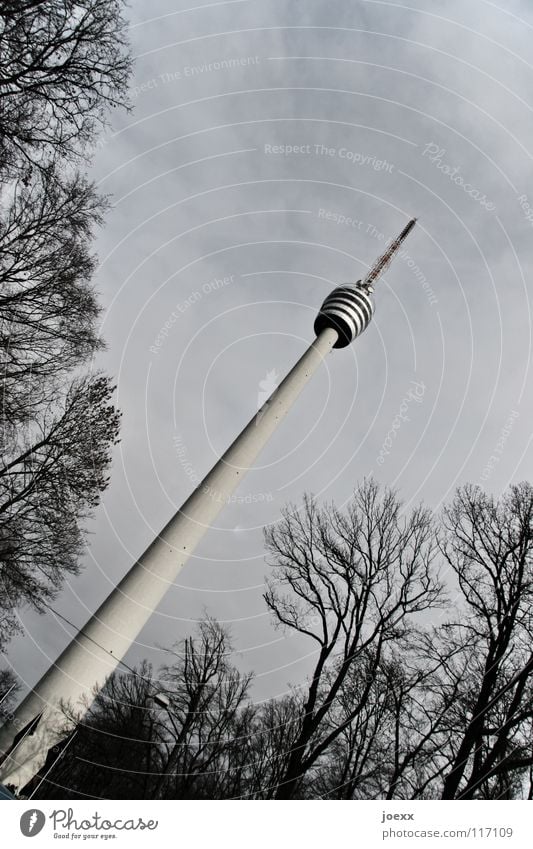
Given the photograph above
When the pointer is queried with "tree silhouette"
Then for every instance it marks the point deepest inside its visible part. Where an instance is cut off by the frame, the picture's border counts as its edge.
(489, 546)
(169, 736)
(205, 693)
(48, 310)
(399, 705)
(352, 583)
(64, 64)
(52, 482)
(113, 752)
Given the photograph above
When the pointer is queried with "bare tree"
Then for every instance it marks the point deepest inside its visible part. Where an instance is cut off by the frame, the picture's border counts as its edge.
(206, 693)
(64, 64)
(113, 753)
(174, 735)
(396, 707)
(489, 546)
(50, 482)
(421, 700)
(450, 711)
(265, 741)
(362, 756)
(352, 582)
(48, 309)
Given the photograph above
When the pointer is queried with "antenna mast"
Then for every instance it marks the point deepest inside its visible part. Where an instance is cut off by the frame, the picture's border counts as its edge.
(384, 260)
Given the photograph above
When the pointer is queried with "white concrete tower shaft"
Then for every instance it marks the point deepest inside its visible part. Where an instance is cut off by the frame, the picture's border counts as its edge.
(97, 649)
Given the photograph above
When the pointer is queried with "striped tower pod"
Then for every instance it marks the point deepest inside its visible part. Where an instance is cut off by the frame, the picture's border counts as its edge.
(348, 310)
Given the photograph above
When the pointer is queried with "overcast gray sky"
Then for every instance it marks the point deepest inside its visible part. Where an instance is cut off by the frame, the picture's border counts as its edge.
(390, 111)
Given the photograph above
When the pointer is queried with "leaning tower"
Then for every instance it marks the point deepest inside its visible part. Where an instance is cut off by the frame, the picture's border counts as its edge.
(94, 653)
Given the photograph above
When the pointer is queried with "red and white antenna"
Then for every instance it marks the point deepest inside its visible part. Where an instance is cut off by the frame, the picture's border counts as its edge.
(384, 260)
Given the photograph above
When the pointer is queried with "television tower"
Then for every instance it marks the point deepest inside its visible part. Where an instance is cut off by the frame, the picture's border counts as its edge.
(38, 723)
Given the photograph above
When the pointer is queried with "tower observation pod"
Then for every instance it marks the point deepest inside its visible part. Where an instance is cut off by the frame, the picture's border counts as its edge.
(348, 310)
(94, 653)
